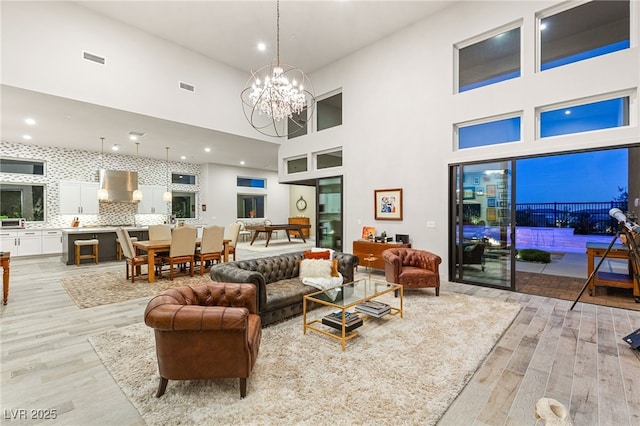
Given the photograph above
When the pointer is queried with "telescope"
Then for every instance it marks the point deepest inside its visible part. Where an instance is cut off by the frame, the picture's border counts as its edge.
(618, 215)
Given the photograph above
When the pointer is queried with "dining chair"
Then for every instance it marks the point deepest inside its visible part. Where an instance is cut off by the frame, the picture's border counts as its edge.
(132, 260)
(211, 246)
(182, 249)
(160, 232)
(232, 233)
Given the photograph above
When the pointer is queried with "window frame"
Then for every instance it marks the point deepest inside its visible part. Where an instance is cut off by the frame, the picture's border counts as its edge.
(297, 157)
(486, 120)
(631, 94)
(480, 38)
(324, 97)
(563, 7)
(325, 152)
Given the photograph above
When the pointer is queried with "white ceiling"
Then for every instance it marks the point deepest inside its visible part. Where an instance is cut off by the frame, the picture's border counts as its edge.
(313, 34)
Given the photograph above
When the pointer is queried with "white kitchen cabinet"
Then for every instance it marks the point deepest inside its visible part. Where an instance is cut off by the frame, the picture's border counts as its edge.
(22, 242)
(152, 201)
(51, 242)
(78, 197)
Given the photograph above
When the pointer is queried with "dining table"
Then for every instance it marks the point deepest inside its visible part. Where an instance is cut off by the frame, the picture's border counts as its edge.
(151, 247)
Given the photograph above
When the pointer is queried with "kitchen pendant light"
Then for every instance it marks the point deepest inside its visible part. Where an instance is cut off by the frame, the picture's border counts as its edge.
(137, 194)
(167, 196)
(103, 194)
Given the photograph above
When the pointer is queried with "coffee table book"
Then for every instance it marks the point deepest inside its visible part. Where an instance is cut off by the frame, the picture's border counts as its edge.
(352, 322)
(374, 308)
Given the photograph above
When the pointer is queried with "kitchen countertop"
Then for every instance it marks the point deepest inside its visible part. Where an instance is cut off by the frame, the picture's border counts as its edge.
(101, 229)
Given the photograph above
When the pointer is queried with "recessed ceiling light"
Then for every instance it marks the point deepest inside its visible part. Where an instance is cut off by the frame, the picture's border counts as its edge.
(182, 157)
(26, 137)
(207, 149)
(115, 147)
(242, 163)
(133, 138)
(262, 47)
(30, 121)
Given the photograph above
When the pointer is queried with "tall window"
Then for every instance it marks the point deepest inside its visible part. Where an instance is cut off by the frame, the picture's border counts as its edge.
(489, 61)
(488, 132)
(329, 112)
(582, 32)
(603, 114)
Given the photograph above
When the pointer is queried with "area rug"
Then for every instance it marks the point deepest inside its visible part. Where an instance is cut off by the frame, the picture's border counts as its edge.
(396, 371)
(104, 288)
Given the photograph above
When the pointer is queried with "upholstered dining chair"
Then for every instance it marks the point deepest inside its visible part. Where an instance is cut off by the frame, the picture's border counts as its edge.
(160, 232)
(412, 268)
(211, 246)
(232, 233)
(182, 249)
(132, 260)
(205, 331)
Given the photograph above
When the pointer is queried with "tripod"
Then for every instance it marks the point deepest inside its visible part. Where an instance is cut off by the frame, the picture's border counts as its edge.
(634, 255)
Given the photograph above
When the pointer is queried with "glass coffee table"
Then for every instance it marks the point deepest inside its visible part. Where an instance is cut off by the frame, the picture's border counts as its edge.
(343, 298)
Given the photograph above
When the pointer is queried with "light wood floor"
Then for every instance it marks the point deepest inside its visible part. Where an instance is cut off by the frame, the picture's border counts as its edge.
(576, 356)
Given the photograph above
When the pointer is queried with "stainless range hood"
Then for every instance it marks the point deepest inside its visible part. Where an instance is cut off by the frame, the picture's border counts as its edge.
(120, 185)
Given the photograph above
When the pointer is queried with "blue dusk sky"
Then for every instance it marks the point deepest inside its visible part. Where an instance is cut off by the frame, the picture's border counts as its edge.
(589, 177)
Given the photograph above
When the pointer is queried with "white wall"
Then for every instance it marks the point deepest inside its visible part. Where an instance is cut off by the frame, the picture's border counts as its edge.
(219, 192)
(42, 45)
(399, 134)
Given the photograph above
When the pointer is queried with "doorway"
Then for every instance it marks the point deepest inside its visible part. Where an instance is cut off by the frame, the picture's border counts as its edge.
(481, 224)
(555, 203)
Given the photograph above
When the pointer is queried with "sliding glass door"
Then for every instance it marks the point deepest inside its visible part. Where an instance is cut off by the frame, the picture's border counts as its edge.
(482, 224)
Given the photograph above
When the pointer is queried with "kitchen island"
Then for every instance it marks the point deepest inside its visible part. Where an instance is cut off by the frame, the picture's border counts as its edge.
(106, 235)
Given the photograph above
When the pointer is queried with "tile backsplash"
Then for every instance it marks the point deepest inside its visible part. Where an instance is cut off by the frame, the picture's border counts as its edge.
(77, 165)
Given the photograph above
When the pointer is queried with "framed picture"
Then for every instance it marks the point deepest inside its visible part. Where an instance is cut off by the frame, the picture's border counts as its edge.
(388, 204)
(468, 193)
(491, 202)
(476, 180)
(491, 213)
(368, 232)
(479, 191)
(491, 190)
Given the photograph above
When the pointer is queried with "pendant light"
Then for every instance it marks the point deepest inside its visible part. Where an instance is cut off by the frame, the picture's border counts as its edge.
(137, 194)
(167, 196)
(103, 194)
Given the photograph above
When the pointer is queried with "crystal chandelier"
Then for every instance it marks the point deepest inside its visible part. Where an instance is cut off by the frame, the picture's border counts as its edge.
(278, 99)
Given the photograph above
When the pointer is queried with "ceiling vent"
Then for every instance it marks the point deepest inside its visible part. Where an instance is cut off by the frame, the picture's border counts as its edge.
(93, 58)
(187, 86)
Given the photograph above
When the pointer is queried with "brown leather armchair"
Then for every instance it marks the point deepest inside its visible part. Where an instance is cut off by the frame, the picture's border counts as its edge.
(412, 268)
(205, 331)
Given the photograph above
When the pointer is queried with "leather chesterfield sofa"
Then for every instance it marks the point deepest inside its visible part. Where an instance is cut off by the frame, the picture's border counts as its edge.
(279, 288)
(205, 331)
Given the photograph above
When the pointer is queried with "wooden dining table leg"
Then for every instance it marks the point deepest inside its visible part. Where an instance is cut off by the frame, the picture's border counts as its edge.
(151, 265)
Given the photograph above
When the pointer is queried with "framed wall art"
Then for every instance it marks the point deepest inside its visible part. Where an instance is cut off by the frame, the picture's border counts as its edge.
(388, 204)
(468, 193)
(491, 191)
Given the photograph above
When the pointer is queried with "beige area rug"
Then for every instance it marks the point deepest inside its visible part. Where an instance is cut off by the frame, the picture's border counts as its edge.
(396, 371)
(104, 288)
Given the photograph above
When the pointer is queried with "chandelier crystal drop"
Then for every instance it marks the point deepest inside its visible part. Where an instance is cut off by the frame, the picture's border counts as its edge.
(278, 99)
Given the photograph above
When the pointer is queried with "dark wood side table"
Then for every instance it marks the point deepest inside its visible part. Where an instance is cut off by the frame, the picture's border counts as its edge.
(5, 258)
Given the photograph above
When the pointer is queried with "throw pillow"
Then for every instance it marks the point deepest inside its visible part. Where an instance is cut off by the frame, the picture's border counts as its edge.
(315, 268)
(334, 268)
(317, 254)
(331, 251)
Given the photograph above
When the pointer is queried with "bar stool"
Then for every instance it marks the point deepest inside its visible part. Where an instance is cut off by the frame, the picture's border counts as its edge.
(119, 247)
(94, 253)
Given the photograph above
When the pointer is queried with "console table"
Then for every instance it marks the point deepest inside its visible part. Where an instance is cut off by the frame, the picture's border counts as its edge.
(369, 249)
(610, 279)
